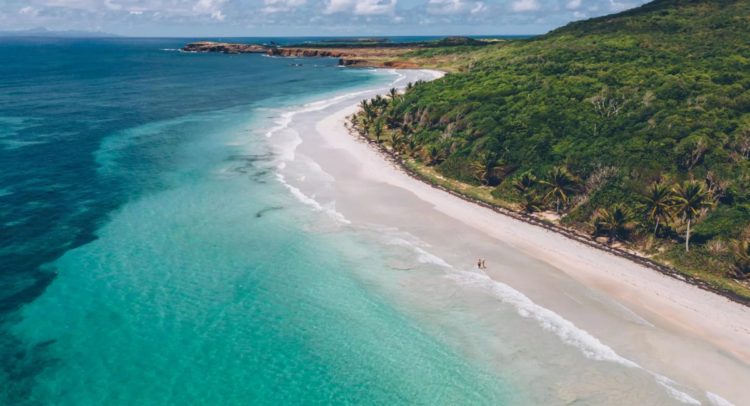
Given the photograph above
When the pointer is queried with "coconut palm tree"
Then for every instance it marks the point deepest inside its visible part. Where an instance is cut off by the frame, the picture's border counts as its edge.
(485, 165)
(561, 183)
(657, 203)
(379, 103)
(406, 129)
(411, 147)
(409, 86)
(433, 155)
(615, 221)
(395, 139)
(532, 202)
(392, 94)
(524, 182)
(690, 199)
(368, 110)
(596, 224)
(377, 129)
(393, 120)
(741, 253)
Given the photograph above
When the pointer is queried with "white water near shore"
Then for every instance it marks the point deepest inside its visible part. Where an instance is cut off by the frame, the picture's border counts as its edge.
(648, 322)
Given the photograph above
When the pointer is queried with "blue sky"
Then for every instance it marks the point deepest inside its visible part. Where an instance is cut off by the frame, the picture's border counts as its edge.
(196, 18)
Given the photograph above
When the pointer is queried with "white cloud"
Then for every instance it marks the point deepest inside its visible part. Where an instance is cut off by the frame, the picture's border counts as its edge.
(28, 11)
(454, 7)
(279, 6)
(89, 5)
(446, 7)
(374, 7)
(573, 4)
(208, 6)
(526, 5)
(578, 15)
(478, 8)
(337, 6)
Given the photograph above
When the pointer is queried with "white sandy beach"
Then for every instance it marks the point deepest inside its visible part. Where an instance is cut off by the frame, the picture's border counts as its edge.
(690, 335)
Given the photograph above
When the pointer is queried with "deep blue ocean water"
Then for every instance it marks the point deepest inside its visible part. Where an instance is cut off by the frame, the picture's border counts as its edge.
(149, 257)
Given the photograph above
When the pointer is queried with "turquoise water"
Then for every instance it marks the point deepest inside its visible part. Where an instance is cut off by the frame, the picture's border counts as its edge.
(170, 265)
(201, 294)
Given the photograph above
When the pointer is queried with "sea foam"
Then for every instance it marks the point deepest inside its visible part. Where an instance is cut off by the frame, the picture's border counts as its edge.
(589, 345)
(717, 400)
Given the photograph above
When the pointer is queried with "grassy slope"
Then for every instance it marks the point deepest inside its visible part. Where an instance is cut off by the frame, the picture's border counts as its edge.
(677, 71)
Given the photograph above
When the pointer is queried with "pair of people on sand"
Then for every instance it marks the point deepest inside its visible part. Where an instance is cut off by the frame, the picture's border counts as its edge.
(480, 264)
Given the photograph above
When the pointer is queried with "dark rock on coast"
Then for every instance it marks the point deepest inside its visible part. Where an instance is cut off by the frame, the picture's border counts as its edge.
(225, 48)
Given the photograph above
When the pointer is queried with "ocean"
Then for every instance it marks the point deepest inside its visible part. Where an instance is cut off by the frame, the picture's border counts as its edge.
(152, 252)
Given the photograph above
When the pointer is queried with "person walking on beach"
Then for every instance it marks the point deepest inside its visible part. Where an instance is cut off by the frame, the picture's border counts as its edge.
(479, 263)
(483, 265)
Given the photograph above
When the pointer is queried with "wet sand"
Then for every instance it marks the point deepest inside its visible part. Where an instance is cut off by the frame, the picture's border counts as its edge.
(666, 326)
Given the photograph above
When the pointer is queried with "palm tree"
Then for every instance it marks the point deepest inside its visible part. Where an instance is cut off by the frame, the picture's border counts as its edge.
(741, 253)
(405, 129)
(411, 147)
(690, 199)
(562, 183)
(596, 224)
(377, 129)
(615, 221)
(657, 203)
(409, 86)
(379, 103)
(395, 138)
(485, 165)
(433, 155)
(532, 202)
(368, 109)
(393, 120)
(524, 182)
(393, 93)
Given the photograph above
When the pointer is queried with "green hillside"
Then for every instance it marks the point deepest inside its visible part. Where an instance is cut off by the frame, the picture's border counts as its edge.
(624, 104)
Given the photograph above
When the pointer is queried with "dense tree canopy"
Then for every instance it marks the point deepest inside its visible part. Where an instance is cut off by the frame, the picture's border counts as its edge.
(659, 90)
(629, 106)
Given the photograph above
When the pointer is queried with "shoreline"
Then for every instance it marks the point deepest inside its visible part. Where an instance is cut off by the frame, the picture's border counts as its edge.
(568, 233)
(567, 265)
(680, 308)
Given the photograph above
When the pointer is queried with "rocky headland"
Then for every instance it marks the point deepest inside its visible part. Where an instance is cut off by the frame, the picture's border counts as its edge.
(225, 48)
(364, 54)
(378, 56)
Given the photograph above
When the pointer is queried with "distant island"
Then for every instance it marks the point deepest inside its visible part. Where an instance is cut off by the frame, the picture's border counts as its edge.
(43, 32)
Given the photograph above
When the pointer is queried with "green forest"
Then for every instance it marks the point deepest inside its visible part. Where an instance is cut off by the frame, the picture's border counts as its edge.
(633, 128)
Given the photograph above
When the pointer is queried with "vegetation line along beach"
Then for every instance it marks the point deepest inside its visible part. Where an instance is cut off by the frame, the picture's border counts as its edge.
(413, 170)
(628, 131)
